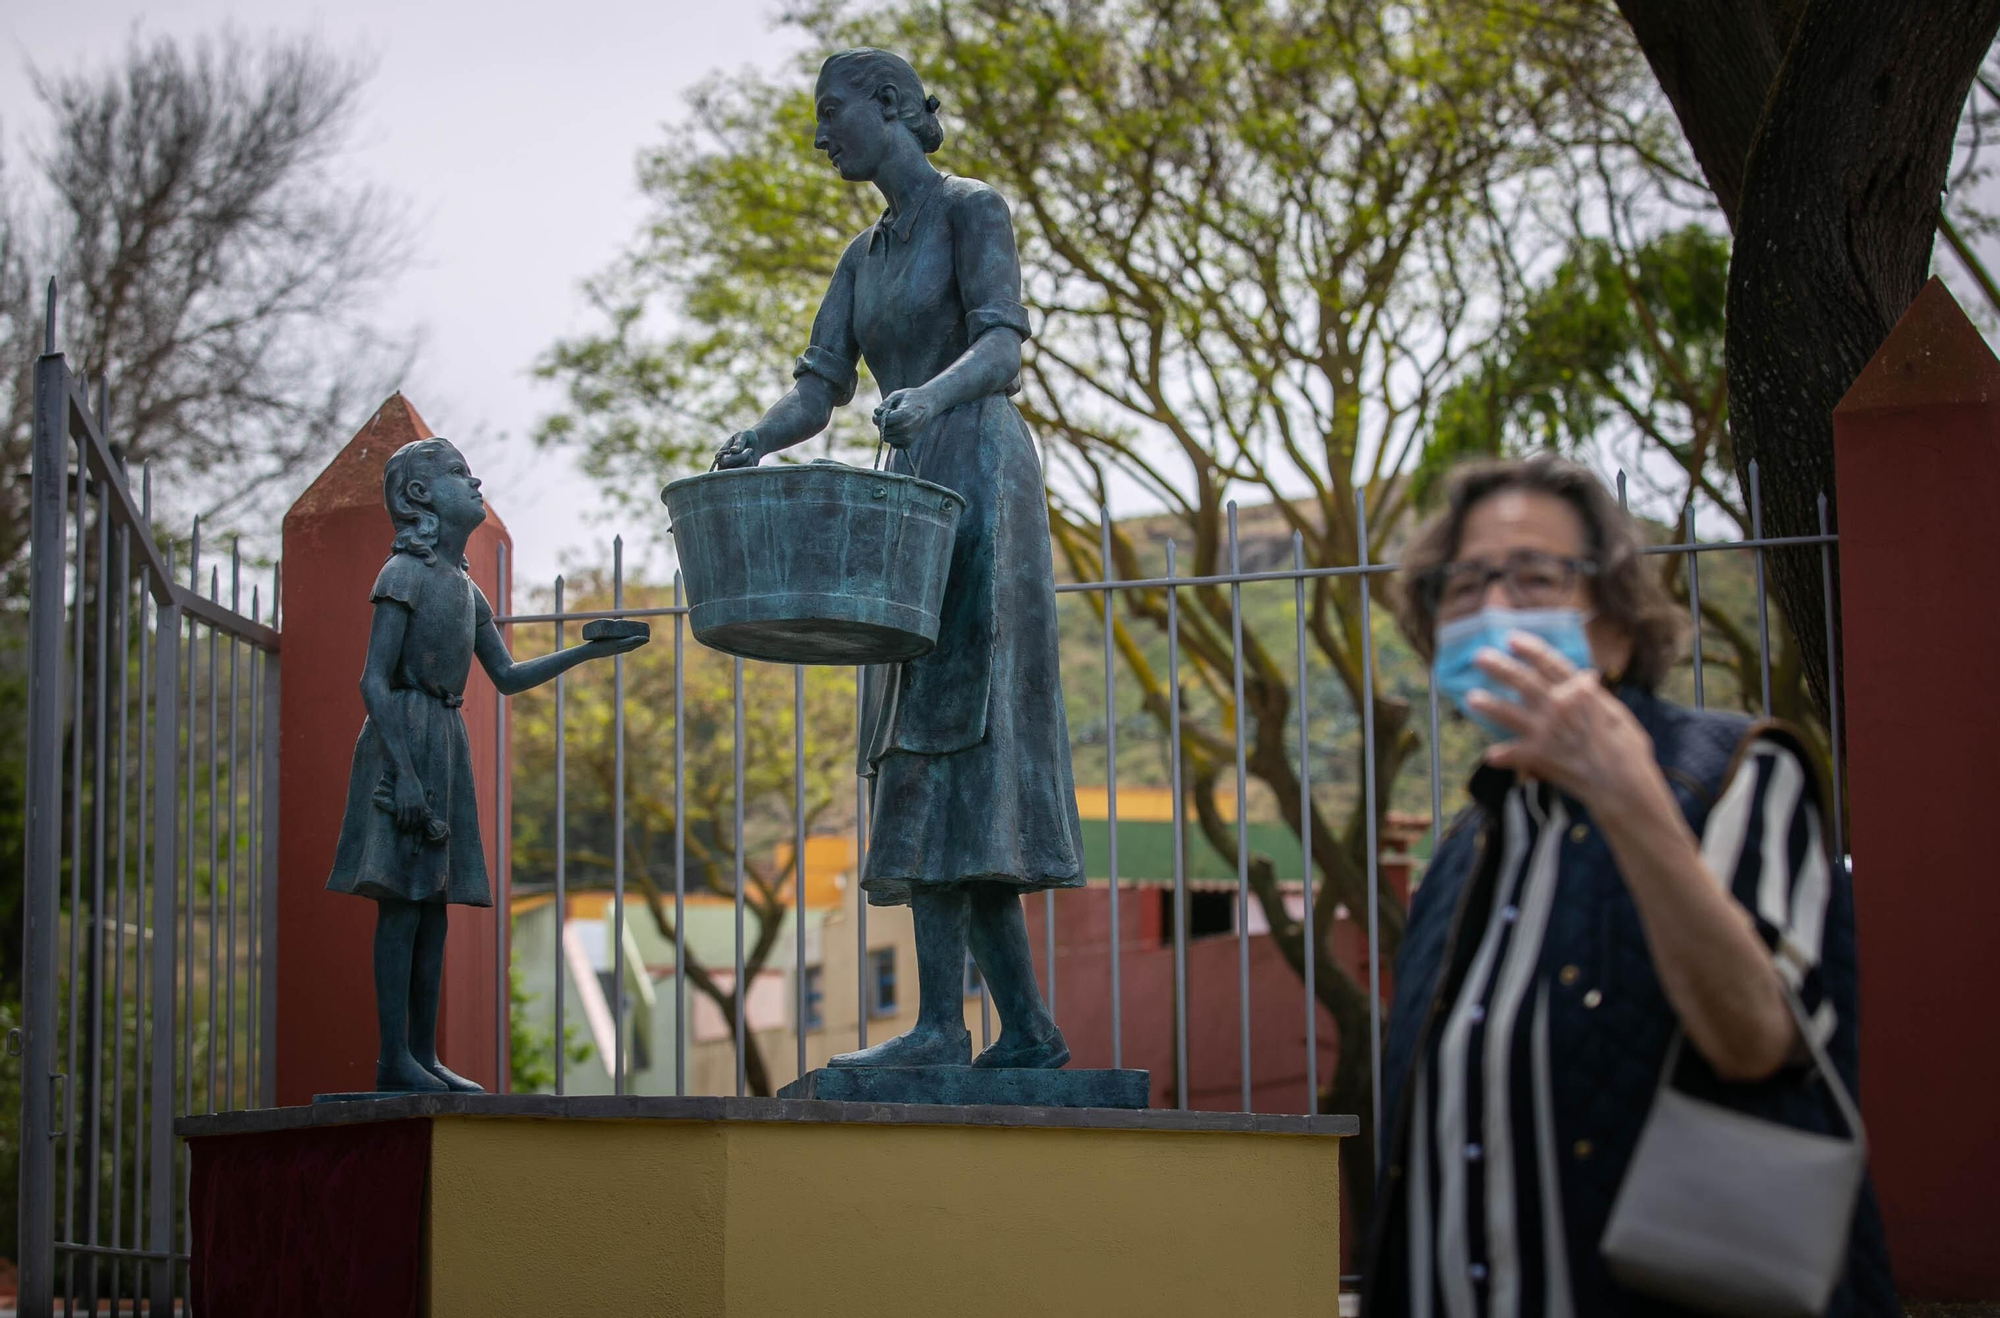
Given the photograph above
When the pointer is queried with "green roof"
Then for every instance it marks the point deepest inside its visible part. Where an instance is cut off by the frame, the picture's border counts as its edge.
(1146, 851)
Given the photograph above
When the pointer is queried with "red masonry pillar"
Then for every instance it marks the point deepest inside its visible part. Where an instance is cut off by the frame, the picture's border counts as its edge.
(336, 538)
(1917, 460)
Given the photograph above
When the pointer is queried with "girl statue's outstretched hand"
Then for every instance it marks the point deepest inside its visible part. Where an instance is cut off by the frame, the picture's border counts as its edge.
(608, 646)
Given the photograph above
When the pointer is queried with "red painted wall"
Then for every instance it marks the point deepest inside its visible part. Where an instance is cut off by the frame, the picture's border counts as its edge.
(1146, 988)
(1917, 457)
(335, 540)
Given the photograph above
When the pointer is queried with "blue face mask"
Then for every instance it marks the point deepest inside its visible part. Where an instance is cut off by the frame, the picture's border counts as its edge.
(1462, 638)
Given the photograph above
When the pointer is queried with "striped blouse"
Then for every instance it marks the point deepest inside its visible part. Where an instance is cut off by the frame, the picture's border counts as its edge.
(1485, 1209)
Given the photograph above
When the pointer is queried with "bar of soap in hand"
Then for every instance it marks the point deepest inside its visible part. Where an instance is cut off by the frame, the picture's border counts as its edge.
(615, 629)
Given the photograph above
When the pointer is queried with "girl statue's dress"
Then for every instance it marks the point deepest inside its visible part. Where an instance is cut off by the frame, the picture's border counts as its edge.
(968, 746)
(443, 862)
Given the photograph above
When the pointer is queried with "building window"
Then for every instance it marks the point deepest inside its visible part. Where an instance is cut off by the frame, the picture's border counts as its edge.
(815, 993)
(882, 982)
(1209, 912)
(974, 985)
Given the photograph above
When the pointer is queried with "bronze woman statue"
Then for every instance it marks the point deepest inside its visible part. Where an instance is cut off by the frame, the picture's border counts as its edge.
(409, 839)
(968, 746)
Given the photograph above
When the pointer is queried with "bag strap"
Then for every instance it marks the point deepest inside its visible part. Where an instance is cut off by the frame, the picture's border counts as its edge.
(1822, 1064)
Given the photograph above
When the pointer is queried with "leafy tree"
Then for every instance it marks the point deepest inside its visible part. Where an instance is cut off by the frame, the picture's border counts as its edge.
(531, 1053)
(1620, 350)
(1825, 130)
(1260, 241)
(207, 263)
(709, 790)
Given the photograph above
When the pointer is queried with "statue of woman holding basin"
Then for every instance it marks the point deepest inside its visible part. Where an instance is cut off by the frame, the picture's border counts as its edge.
(968, 745)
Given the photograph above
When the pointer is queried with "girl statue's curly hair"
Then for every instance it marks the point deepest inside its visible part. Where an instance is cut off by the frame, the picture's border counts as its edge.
(415, 522)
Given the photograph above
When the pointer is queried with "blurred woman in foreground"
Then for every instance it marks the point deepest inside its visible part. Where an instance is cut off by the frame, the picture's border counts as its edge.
(1628, 868)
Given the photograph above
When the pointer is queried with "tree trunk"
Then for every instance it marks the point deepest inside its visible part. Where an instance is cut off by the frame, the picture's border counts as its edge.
(1825, 129)
(1352, 1091)
(1715, 60)
(1833, 240)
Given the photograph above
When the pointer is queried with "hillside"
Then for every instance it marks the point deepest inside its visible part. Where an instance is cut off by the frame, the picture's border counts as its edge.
(1264, 545)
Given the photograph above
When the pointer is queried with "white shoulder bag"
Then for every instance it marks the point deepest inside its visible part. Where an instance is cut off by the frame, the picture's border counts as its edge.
(1731, 1214)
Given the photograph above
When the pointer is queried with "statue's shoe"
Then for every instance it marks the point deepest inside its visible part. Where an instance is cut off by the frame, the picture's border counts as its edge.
(1048, 1053)
(917, 1048)
(406, 1076)
(453, 1081)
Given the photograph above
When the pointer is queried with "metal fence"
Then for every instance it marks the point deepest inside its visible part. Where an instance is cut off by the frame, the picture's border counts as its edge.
(151, 865)
(1107, 592)
(151, 858)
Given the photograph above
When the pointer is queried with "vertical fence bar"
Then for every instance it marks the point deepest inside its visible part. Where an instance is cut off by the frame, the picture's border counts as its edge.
(271, 681)
(214, 840)
(618, 828)
(742, 992)
(1832, 690)
(1763, 616)
(861, 731)
(229, 936)
(99, 822)
(160, 1134)
(680, 851)
(1242, 815)
(79, 656)
(1111, 784)
(1308, 930)
(1049, 941)
(142, 940)
(254, 862)
(1437, 780)
(503, 831)
(1694, 608)
(48, 497)
(187, 895)
(1368, 784)
(799, 856)
(562, 851)
(1180, 839)
(123, 647)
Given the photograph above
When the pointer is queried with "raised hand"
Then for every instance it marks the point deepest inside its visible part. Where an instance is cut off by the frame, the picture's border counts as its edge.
(1568, 730)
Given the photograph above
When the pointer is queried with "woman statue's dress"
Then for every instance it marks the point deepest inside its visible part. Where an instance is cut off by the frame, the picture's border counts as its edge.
(968, 745)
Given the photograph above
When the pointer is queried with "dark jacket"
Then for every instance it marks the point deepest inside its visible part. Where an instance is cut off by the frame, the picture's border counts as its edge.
(1605, 1057)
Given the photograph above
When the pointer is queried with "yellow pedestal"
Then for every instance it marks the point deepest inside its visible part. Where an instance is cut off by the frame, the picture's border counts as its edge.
(760, 1208)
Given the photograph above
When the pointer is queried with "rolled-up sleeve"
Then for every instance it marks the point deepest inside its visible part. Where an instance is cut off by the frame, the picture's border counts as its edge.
(1765, 841)
(831, 367)
(996, 315)
(834, 352)
(988, 264)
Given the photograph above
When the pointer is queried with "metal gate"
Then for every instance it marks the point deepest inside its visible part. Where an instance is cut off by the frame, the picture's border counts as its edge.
(150, 921)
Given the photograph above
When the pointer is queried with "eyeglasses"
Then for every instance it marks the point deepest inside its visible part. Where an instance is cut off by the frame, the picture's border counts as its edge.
(1532, 580)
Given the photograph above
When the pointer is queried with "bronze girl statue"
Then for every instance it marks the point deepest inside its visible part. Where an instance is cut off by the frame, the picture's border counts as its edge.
(968, 746)
(410, 837)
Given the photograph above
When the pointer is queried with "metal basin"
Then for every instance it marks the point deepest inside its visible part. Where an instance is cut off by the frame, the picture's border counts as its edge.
(816, 564)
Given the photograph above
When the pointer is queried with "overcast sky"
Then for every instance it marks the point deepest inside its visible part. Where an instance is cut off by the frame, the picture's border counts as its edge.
(510, 129)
